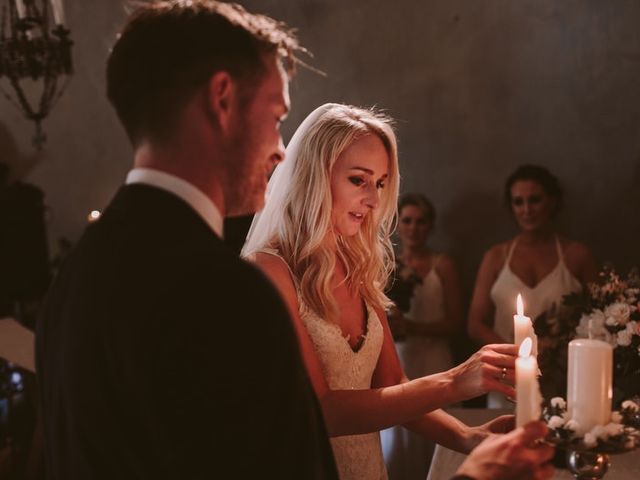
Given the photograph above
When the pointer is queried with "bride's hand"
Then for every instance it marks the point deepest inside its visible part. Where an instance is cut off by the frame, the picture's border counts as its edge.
(499, 425)
(489, 369)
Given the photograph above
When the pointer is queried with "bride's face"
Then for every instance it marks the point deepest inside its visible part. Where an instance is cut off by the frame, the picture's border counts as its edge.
(357, 179)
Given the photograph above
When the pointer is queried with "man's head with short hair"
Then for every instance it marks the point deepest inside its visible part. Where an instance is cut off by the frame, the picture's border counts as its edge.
(168, 50)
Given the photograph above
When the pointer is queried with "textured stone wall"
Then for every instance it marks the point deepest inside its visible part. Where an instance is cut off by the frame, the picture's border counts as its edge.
(477, 88)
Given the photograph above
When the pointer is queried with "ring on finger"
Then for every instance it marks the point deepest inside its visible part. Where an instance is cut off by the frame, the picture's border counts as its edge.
(503, 375)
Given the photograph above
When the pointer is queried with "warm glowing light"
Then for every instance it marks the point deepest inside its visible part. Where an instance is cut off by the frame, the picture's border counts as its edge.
(94, 215)
(519, 305)
(525, 347)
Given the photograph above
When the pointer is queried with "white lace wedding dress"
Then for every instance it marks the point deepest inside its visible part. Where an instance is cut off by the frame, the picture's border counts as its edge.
(358, 457)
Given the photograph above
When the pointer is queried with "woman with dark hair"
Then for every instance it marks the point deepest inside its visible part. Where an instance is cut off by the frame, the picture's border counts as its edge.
(423, 323)
(434, 313)
(538, 262)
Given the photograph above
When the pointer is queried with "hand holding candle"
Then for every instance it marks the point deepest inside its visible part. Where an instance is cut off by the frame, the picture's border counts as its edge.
(528, 398)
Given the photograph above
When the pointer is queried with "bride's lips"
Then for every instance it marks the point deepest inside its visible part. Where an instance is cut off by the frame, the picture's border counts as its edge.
(357, 217)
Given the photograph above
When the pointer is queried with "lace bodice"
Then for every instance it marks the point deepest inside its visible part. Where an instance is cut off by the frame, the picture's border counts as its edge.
(358, 457)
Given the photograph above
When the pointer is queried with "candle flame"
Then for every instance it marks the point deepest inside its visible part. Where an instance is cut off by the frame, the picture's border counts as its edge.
(519, 305)
(525, 347)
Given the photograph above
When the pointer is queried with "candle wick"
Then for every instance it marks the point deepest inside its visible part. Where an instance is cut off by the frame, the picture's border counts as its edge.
(590, 329)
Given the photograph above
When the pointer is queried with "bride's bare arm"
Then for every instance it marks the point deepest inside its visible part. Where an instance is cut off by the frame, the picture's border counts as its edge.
(392, 400)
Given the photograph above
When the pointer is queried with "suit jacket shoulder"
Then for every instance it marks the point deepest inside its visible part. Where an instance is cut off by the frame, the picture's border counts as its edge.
(163, 355)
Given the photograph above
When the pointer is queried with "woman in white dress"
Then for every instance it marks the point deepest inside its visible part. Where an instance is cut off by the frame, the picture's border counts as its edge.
(323, 239)
(434, 316)
(538, 263)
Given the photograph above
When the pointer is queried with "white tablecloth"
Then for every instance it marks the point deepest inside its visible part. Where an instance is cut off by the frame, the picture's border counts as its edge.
(445, 462)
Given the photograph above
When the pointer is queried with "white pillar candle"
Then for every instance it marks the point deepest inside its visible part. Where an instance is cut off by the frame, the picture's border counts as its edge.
(528, 396)
(589, 391)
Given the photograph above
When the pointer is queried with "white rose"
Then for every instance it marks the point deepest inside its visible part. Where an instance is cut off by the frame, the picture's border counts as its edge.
(599, 432)
(590, 440)
(623, 338)
(632, 327)
(628, 404)
(596, 321)
(616, 417)
(558, 402)
(617, 313)
(572, 425)
(614, 429)
(555, 422)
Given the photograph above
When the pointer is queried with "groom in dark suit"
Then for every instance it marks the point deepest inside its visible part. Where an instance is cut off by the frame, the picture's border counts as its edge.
(160, 354)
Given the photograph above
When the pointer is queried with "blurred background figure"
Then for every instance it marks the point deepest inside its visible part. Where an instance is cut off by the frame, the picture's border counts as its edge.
(427, 314)
(538, 262)
(24, 262)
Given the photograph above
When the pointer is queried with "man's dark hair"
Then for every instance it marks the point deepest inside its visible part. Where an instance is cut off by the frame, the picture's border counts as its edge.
(168, 49)
(539, 175)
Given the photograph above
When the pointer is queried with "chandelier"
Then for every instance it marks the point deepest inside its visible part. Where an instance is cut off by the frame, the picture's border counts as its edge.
(35, 57)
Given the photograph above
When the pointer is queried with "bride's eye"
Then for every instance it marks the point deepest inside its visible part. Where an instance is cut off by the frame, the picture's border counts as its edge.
(357, 181)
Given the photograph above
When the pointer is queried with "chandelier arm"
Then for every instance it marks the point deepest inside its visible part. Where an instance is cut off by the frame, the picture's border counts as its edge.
(34, 46)
(26, 107)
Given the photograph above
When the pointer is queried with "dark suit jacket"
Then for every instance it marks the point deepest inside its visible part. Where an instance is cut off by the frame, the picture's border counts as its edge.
(161, 355)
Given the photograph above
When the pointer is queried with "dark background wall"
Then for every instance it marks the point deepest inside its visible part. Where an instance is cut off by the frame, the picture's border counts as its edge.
(477, 88)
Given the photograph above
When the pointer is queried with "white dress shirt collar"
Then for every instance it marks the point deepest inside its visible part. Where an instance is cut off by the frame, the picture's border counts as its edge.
(182, 189)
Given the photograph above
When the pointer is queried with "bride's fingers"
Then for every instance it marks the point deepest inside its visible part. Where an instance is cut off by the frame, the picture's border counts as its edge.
(507, 390)
(494, 381)
(504, 374)
(504, 348)
(498, 360)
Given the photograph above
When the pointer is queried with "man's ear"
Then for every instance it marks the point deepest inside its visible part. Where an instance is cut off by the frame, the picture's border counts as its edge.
(222, 96)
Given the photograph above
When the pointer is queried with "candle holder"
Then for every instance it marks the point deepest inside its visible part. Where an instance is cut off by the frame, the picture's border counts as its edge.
(588, 456)
(587, 465)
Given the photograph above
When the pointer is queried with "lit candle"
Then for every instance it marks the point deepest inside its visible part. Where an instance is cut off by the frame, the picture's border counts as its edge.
(521, 324)
(528, 396)
(20, 9)
(589, 390)
(58, 12)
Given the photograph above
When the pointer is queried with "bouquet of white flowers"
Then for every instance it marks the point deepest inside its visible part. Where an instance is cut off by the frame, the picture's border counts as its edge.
(608, 310)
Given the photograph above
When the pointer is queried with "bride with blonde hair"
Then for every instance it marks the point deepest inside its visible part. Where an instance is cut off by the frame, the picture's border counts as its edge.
(323, 238)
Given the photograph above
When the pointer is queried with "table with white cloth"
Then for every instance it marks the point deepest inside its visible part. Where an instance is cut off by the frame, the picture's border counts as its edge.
(445, 462)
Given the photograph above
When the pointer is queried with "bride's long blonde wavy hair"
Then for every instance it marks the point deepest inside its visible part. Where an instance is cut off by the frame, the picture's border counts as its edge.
(305, 220)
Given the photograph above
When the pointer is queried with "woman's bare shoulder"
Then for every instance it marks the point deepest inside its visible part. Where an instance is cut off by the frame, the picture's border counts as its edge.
(273, 266)
(496, 255)
(576, 251)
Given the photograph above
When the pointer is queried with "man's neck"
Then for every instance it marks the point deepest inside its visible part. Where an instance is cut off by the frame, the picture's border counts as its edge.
(179, 161)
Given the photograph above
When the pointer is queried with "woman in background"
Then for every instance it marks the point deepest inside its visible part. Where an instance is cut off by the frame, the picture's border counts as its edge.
(538, 262)
(434, 316)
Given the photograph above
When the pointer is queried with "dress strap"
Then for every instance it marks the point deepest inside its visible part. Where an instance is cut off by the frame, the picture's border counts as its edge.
(434, 264)
(512, 247)
(559, 250)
